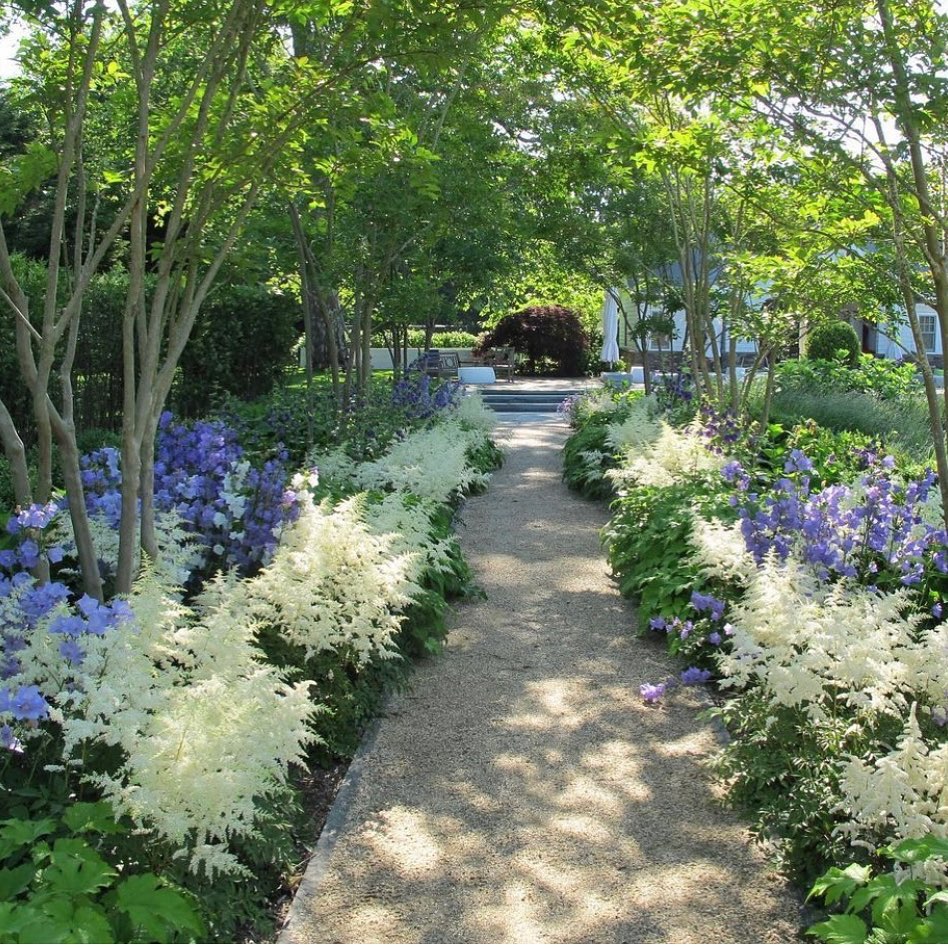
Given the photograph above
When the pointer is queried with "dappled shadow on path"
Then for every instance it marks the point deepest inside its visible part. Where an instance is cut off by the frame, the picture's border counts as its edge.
(522, 792)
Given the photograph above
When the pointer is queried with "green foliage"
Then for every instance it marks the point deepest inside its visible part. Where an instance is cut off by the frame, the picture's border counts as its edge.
(241, 345)
(544, 334)
(902, 425)
(835, 341)
(885, 908)
(648, 544)
(884, 378)
(56, 886)
(450, 339)
(587, 458)
(781, 771)
(485, 457)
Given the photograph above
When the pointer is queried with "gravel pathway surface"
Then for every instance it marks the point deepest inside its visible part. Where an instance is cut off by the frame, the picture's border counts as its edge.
(521, 791)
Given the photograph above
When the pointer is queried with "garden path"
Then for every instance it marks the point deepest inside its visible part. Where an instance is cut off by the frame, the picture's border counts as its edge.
(521, 791)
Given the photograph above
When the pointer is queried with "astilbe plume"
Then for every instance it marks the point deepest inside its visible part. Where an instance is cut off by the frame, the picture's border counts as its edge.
(206, 727)
(801, 643)
(675, 455)
(637, 430)
(431, 463)
(405, 523)
(900, 793)
(334, 584)
(719, 552)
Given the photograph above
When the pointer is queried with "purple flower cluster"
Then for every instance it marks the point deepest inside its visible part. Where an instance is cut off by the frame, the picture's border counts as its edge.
(722, 429)
(201, 473)
(702, 603)
(868, 532)
(25, 603)
(652, 694)
(696, 633)
(674, 387)
(416, 396)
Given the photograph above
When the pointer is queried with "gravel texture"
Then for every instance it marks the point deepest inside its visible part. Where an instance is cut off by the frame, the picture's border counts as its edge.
(521, 791)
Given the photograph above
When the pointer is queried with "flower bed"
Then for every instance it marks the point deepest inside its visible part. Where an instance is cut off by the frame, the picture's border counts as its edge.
(153, 736)
(807, 573)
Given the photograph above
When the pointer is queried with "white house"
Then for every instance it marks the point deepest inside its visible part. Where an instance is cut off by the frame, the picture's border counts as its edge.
(895, 343)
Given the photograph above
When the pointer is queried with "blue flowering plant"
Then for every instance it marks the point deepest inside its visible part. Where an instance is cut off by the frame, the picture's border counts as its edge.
(233, 509)
(28, 602)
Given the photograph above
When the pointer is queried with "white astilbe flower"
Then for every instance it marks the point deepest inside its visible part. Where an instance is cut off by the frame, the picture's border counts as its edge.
(673, 456)
(405, 522)
(634, 433)
(335, 466)
(807, 645)
(431, 463)
(207, 728)
(333, 583)
(901, 794)
(473, 413)
(720, 551)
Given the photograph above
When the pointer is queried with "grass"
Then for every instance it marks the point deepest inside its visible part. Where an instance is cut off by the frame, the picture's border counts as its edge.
(900, 423)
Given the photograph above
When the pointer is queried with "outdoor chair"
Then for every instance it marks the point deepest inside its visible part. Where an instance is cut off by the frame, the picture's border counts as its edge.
(448, 365)
(502, 360)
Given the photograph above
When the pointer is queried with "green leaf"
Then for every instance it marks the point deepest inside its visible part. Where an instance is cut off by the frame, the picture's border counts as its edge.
(918, 850)
(77, 869)
(835, 883)
(157, 909)
(61, 920)
(91, 818)
(20, 834)
(10, 919)
(840, 930)
(932, 930)
(14, 881)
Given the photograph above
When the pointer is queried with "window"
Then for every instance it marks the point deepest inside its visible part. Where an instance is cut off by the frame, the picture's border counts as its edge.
(927, 321)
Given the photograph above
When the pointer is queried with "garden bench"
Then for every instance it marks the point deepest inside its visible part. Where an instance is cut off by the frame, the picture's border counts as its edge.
(500, 360)
(442, 365)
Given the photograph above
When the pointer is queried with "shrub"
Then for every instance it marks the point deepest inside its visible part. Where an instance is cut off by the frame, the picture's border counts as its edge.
(830, 339)
(452, 339)
(241, 345)
(903, 424)
(884, 378)
(544, 334)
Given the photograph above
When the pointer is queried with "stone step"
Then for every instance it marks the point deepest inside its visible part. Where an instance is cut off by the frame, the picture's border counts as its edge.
(524, 401)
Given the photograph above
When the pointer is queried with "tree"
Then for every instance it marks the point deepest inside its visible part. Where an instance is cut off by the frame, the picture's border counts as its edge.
(202, 104)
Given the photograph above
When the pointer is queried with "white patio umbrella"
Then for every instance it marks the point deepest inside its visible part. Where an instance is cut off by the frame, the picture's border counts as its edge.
(610, 329)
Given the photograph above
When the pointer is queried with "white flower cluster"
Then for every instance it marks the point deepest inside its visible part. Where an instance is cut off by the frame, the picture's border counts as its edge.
(639, 429)
(333, 583)
(206, 727)
(903, 793)
(430, 463)
(812, 646)
(405, 523)
(673, 455)
(844, 652)
(720, 551)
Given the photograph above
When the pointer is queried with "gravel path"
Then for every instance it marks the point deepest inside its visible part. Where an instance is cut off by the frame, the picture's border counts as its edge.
(521, 792)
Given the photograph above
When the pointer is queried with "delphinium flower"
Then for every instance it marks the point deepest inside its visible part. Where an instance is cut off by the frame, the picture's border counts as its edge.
(721, 429)
(695, 676)
(706, 603)
(203, 476)
(652, 694)
(869, 530)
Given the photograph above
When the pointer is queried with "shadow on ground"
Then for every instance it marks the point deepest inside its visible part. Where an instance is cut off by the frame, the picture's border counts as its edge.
(522, 792)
